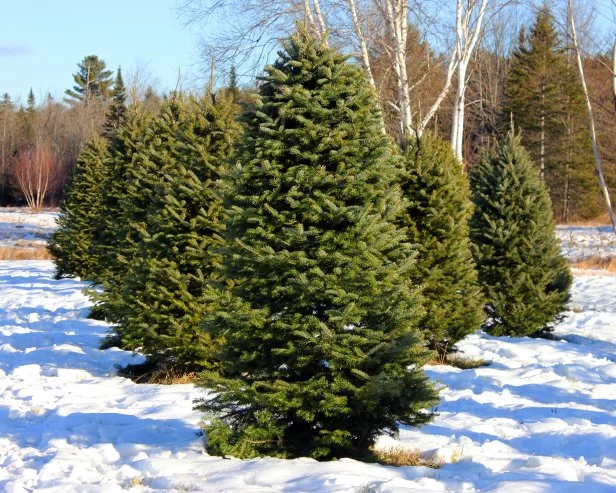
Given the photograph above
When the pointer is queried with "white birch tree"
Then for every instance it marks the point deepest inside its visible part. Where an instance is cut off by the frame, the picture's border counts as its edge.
(591, 118)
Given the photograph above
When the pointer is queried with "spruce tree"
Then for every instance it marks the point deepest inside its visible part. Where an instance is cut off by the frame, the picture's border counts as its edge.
(544, 98)
(320, 352)
(160, 303)
(116, 113)
(112, 246)
(522, 273)
(71, 243)
(436, 215)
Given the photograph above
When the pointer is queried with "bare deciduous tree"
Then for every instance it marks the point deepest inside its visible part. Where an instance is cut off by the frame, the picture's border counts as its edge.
(35, 174)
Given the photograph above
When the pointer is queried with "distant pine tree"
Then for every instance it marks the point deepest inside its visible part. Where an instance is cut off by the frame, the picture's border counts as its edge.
(92, 82)
(71, 243)
(523, 275)
(321, 351)
(116, 113)
(160, 303)
(436, 215)
(31, 101)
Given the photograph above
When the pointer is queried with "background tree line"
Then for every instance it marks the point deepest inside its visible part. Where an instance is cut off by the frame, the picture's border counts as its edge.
(40, 141)
(520, 72)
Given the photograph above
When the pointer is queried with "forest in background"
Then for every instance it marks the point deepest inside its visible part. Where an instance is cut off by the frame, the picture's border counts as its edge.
(527, 78)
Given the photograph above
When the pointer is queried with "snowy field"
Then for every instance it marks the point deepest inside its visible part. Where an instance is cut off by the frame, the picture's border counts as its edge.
(24, 229)
(540, 418)
(580, 242)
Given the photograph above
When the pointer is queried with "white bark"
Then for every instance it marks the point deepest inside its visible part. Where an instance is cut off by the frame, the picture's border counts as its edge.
(397, 19)
(591, 119)
(363, 44)
(467, 37)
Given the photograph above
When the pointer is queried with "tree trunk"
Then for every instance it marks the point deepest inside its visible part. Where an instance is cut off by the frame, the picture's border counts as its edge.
(591, 121)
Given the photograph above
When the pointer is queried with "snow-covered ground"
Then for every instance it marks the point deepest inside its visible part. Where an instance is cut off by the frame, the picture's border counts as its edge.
(21, 228)
(540, 418)
(580, 242)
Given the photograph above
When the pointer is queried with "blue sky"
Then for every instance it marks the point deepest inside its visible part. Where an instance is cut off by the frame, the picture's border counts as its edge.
(41, 42)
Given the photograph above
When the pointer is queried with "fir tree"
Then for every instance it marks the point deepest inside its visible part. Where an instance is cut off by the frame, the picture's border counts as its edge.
(522, 273)
(71, 243)
(436, 216)
(31, 101)
(160, 303)
(116, 113)
(92, 82)
(112, 247)
(321, 352)
(544, 98)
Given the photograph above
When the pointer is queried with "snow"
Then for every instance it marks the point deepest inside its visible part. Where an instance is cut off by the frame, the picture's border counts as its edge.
(580, 242)
(25, 229)
(540, 418)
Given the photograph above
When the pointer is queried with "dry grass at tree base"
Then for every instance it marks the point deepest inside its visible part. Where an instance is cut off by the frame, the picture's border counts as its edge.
(595, 263)
(461, 362)
(24, 253)
(400, 456)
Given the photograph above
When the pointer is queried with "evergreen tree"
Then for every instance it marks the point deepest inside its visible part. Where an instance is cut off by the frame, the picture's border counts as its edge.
(116, 113)
(544, 98)
(523, 275)
(160, 303)
(92, 82)
(233, 88)
(321, 351)
(31, 101)
(6, 104)
(112, 246)
(436, 215)
(71, 242)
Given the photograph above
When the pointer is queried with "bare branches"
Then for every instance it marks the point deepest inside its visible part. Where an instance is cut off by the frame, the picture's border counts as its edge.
(34, 173)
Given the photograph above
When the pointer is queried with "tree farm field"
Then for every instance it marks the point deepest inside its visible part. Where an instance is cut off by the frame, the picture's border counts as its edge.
(540, 417)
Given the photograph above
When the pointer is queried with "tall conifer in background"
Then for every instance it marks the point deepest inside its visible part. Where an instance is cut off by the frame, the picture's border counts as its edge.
(71, 244)
(116, 112)
(321, 351)
(436, 215)
(92, 82)
(160, 303)
(524, 277)
(544, 98)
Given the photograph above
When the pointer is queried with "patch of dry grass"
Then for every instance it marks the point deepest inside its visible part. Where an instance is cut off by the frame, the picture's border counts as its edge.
(164, 377)
(458, 361)
(596, 263)
(400, 456)
(24, 253)
(602, 220)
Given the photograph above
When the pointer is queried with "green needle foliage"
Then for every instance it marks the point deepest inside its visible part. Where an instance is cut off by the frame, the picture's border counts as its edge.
(71, 244)
(523, 275)
(175, 214)
(321, 351)
(113, 247)
(116, 112)
(436, 215)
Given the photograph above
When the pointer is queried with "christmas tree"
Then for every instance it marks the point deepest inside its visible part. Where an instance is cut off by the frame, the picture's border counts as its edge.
(522, 273)
(320, 352)
(71, 243)
(436, 215)
(159, 304)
